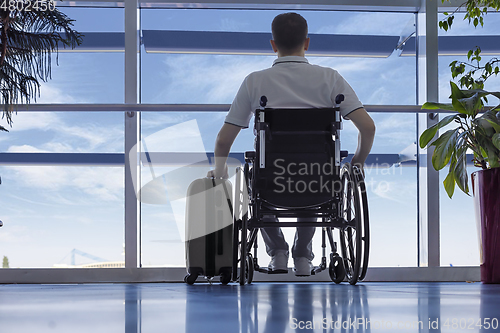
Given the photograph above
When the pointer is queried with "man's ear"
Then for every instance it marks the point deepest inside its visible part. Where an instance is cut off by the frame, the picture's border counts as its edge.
(273, 45)
(306, 43)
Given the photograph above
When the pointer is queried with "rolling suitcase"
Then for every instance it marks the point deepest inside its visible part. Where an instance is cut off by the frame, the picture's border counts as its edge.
(209, 230)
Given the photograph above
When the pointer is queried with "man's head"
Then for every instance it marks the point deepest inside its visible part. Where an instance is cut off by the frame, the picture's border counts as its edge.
(289, 33)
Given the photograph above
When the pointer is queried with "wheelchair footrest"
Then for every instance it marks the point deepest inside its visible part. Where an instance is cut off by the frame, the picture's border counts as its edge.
(316, 269)
(269, 271)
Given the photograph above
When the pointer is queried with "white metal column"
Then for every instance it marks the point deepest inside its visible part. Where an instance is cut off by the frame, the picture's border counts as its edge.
(427, 91)
(132, 128)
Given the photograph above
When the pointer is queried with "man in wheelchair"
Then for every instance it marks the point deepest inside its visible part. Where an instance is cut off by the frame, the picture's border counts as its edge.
(292, 83)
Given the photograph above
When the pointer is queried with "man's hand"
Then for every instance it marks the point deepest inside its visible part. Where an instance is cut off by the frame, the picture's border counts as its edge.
(218, 173)
(355, 162)
(223, 144)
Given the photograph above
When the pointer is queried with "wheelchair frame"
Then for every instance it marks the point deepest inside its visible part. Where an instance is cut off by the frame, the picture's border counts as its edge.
(347, 211)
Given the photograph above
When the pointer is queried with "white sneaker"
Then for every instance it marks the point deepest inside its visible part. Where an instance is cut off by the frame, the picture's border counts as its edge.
(279, 262)
(303, 266)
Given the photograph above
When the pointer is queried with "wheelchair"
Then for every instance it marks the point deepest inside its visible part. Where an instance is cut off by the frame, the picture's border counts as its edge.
(297, 152)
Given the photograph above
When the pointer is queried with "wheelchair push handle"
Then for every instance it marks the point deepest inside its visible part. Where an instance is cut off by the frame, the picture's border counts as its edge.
(263, 101)
(339, 99)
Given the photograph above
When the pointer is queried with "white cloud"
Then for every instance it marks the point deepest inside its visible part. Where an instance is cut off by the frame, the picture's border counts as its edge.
(25, 121)
(25, 149)
(14, 233)
(93, 134)
(104, 183)
(230, 24)
(401, 191)
(65, 137)
(395, 129)
(207, 79)
(183, 137)
(49, 93)
(150, 120)
(342, 66)
(369, 24)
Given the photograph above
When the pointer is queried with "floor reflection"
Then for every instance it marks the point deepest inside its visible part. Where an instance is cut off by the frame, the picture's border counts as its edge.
(280, 308)
(260, 307)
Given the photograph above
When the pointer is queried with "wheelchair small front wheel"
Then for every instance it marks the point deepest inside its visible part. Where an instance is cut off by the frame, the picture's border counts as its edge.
(225, 278)
(336, 269)
(249, 269)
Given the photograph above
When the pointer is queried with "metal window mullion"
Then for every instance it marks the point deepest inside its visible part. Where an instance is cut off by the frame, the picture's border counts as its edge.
(132, 206)
(428, 83)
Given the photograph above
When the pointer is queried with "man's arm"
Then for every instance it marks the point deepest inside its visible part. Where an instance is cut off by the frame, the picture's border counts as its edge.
(223, 143)
(366, 127)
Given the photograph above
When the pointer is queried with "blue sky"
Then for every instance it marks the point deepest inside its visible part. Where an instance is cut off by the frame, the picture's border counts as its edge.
(48, 211)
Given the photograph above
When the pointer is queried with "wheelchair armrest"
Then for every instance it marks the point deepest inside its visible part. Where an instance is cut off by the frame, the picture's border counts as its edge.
(249, 156)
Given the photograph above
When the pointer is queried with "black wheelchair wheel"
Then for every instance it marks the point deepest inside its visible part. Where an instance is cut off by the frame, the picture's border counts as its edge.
(237, 221)
(243, 249)
(350, 232)
(336, 269)
(365, 223)
(246, 264)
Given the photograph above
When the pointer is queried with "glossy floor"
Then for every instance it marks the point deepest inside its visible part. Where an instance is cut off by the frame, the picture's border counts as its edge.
(260, 307)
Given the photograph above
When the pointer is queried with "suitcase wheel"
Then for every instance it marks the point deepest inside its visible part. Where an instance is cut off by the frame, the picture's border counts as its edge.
(190, 278)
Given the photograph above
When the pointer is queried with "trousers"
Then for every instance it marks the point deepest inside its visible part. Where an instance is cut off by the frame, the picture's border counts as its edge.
(302, 245)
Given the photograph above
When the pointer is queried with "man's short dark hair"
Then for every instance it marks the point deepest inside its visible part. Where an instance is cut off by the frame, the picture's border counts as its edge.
(289, 31)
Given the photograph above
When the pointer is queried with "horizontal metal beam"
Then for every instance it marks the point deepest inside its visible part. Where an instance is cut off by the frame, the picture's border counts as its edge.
(176, 274)
(73, 159)
(257, 43)
(158, 159)
(459, 45)
(186, 108)
(351, 5)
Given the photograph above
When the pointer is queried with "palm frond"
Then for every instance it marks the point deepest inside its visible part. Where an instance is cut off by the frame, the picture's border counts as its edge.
(27, 41)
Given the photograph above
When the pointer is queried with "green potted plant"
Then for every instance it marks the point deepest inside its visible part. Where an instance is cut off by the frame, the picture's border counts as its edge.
(477, 131)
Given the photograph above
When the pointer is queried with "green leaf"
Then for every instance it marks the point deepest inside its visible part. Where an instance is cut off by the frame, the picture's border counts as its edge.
(460, 170)
(456, 95)
(445, 146)
(437, 106)
(449, 183)
(492, 120)
(455, 91)
(493, 157)
(495, 125)
(429, 133)
(489, 151)
(471, 104)
(496, 140)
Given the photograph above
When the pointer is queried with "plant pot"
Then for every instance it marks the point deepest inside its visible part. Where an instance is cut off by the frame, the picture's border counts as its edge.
(486, 189)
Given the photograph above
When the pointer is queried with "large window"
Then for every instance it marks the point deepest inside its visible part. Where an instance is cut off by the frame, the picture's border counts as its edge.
(61, 209)
(178, 76)
(65, 210)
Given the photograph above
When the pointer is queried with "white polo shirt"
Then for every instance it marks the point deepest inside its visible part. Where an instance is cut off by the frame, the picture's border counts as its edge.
(291, 83)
